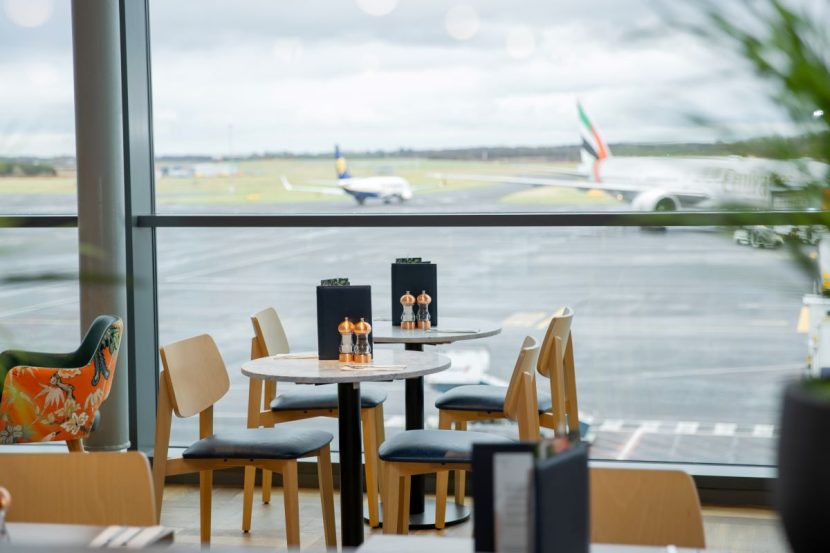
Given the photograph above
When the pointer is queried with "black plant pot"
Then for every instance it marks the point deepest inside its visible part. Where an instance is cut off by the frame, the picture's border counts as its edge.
(803, 488)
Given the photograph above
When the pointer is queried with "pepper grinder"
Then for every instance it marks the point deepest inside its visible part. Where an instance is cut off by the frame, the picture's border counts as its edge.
(423, 310)
(362, 349)
(408, 315)
(346, 328)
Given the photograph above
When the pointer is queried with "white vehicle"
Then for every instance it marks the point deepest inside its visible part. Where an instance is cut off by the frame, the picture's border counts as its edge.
(758, 237)
(386, 188)
(671, 184)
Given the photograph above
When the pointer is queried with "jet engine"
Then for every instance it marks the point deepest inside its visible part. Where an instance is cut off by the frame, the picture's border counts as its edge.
(655, 200)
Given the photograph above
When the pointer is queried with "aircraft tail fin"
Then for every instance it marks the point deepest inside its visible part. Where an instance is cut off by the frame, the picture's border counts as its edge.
(286, 184)
(593, 147)
(340, 164)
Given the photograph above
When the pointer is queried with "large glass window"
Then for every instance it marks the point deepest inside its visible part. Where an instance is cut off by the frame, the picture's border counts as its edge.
(39, 298)
(683, 338)
(37, 125)
(448, 106)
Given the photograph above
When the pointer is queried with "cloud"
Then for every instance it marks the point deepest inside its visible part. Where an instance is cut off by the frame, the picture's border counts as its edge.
(299, 76)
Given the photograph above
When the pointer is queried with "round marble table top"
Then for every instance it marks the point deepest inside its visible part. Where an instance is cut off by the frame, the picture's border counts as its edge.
(450, 329)
(305, 368)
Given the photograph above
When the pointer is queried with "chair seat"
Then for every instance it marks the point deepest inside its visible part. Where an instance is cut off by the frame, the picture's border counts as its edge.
(481, 397)
(322, 397)
(259, 443)
(435, 446)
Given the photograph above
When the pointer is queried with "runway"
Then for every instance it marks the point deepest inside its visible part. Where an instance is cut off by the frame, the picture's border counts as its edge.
(683, 340)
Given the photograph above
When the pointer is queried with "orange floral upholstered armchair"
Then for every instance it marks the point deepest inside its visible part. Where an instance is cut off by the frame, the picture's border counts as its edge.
(55, 396)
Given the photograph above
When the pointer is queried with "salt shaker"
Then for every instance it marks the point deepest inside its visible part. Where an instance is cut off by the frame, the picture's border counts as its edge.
(423, 310)
(362, 349)
(346, 328)
(408, 315)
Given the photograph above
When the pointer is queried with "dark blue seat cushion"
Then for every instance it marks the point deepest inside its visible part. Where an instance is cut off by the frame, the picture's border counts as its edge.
(322, 397)
(481, 397)
(435, 446)
(259, 443)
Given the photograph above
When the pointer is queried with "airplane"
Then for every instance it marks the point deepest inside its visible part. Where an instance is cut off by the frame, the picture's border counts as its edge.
(673, 183)
(386, 188)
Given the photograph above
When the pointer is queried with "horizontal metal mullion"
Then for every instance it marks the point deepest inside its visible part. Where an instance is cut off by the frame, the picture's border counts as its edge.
(612, 219)
(38, 221)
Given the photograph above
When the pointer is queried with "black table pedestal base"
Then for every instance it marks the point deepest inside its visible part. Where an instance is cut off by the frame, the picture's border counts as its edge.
(351, 482)
(456, 514)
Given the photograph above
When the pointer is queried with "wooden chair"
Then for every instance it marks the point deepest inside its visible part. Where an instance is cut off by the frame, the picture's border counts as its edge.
(318, 401)
(417, 452)
(645, 507)
(65, 488)
(193, 379)
(558, 410)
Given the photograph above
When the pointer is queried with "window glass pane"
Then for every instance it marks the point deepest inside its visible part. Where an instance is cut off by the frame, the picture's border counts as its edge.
(39, 297)
(37, 125)
(473, 105)
(683, 338)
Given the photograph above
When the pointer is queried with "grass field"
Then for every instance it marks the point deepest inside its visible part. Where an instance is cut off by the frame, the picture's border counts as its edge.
(258, 181)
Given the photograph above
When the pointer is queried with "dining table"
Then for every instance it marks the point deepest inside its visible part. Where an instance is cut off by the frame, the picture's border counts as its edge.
(59, 536)
(451, 330)
(307, 368)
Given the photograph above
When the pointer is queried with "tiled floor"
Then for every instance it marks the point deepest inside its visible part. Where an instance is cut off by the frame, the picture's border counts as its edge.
(727, 529)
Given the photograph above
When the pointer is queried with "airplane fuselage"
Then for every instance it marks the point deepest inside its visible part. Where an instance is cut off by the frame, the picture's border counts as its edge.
(384, 188)
(724, 181)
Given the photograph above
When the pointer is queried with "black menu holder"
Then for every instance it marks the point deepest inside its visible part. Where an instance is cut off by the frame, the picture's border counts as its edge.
(484, 516)
(334, 303)
(559, 510)
(562, 508)
(415, 277)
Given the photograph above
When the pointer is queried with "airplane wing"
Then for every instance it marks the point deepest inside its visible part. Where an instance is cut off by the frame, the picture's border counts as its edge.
(317, 189)
(567, 181)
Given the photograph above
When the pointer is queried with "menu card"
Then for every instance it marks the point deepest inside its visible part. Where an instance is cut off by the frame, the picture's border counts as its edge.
(414, 276)
(334, 303)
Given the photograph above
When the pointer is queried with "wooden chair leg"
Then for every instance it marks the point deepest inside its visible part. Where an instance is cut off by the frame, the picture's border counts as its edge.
(403, 510)
(460, 476)
(370, 454)
(380, 433)
(248, 498)
(205, 493)
(441, 480)
(291, 501)
(159, 472)
(324, 479)
(75, 446)
(266, 486)
(391, 499)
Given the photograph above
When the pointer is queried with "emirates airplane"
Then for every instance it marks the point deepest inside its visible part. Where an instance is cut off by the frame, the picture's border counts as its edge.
(673, 183)
(386, 188)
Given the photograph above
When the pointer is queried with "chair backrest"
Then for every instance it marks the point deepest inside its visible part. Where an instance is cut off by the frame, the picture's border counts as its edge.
(196, 374)
(71, 488)
(269, 333)
(558, 328)
(520, 403)
(645, 507)
(556, 361)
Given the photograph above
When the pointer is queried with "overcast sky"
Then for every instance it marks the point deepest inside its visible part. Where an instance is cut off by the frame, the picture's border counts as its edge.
(250, 76)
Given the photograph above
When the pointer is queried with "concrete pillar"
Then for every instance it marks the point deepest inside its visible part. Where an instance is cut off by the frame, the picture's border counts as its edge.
(96, 45)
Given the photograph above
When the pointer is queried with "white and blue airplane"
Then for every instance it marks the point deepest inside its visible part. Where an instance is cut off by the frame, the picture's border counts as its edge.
(385, 188)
